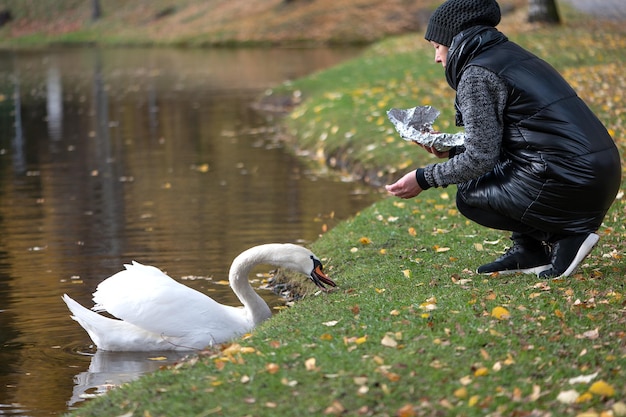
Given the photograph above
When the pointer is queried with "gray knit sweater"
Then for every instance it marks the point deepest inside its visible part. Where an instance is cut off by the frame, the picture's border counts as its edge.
(482, 97)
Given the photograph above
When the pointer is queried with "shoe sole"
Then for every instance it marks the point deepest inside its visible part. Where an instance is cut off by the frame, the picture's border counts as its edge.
(534, 270)
(582, 253)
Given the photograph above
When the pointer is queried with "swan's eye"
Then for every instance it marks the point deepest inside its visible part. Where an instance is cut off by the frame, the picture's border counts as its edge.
(317, 263)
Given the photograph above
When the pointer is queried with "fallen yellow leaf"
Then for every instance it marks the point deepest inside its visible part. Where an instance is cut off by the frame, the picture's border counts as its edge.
(500, 313)
(361, 340)
(461, 393)
(583, 398)
(602, 388)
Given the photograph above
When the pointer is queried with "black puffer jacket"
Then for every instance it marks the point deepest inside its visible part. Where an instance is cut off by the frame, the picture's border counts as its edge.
(559, 169)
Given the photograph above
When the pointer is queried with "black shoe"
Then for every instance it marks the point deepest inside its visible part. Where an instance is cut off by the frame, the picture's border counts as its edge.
(527, 255)
(568, 253)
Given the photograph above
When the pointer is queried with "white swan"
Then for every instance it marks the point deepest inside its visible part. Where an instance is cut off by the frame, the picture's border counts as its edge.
(157, 313)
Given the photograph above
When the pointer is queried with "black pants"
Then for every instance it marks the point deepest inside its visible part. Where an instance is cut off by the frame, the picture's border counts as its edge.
(494, 220)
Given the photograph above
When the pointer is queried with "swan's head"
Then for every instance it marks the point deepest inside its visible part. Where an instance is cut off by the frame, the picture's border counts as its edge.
(286, 255)
(318, 276)
(303, 260)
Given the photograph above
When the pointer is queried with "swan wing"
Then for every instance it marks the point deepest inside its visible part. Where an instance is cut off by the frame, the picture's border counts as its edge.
(151, 300)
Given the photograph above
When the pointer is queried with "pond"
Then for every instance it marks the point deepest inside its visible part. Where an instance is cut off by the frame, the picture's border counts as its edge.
(153, 155)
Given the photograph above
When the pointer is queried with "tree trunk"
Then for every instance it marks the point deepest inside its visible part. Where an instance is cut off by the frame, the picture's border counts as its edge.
(543, 11)
(96, 11)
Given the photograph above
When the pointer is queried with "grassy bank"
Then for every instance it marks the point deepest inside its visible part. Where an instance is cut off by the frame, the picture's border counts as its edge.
(412, 330)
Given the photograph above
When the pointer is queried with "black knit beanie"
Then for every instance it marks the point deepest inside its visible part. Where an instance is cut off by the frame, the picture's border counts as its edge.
(453, 16)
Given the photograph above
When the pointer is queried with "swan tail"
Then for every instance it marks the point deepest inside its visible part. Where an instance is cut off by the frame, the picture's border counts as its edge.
(89, 320)
(117, 335)
(99, 328)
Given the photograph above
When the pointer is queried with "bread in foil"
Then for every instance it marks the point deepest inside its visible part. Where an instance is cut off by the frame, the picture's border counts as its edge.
(415, 124)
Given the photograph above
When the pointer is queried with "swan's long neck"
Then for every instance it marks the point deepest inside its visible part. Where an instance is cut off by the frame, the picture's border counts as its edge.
(256, 307)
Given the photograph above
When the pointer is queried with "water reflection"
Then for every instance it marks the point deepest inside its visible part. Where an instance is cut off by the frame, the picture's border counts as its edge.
(108, 156)
(108, 370)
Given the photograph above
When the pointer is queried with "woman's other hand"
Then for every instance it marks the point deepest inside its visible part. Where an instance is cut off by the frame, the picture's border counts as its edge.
(405, 187)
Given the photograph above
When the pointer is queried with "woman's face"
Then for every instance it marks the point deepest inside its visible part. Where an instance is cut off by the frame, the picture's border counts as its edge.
(441, 53)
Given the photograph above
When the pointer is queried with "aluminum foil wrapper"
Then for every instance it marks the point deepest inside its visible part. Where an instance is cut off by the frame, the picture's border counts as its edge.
(415, 125)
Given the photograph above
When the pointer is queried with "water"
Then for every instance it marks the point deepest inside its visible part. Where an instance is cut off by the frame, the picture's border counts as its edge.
(108, 156)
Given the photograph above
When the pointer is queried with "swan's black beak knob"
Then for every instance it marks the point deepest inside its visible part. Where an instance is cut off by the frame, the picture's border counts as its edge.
(318, 276)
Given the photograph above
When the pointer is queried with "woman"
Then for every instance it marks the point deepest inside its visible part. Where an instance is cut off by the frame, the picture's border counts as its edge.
(536, 161)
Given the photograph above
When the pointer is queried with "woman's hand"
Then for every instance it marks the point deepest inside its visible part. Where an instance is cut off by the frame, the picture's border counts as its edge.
(405, 187)
(431, 149)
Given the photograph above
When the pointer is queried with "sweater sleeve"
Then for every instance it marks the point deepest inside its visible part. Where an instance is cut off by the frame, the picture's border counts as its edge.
(482, 96)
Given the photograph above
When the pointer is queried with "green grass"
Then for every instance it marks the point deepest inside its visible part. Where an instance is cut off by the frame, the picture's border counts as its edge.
(411, 330)
(410, 324)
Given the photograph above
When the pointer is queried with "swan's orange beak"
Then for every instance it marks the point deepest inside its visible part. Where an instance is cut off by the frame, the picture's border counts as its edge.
(319, 278)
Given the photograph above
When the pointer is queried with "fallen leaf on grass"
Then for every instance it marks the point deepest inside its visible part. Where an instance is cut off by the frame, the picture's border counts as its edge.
(406, 411)
(534, 396)
(336, 408)
(461, 393)
(388, 341)
(567, 397)
(583, 379)
(429, 305)
(289, 382)
(272, 368)
(590, 334)
(500, 313)
(602, 389)
(619, 409)
(310, 364)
